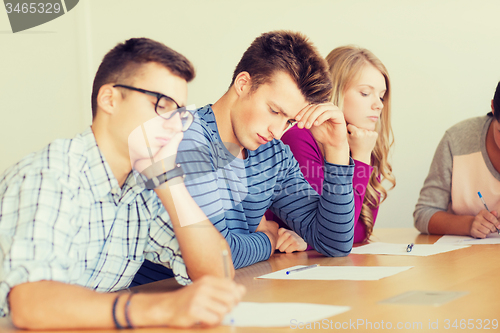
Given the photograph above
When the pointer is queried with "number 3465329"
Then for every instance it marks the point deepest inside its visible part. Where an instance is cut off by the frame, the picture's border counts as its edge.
(470, 324)
(32, 8)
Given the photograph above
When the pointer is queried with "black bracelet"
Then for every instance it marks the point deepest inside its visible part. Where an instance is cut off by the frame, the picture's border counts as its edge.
(164, 177)
(117, 324)
(127, 311)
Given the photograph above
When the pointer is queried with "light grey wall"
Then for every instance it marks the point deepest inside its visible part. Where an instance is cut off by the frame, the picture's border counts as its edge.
(443, 58)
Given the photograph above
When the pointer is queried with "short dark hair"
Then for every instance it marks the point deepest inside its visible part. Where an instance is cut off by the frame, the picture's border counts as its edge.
(496, 103)
(125, 59)
(292, 53)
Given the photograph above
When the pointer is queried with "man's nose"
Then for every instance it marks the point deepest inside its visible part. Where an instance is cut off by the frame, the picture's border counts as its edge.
(174, 123)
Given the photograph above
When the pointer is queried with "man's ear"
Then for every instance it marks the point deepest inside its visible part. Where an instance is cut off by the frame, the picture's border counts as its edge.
(242, 84)
(107, 98)
(492, 107)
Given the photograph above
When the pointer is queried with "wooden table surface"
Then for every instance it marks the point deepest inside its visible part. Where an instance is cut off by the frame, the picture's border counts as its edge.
(474, 270)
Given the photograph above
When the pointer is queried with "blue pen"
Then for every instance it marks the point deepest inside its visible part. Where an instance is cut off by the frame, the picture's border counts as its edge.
(484, 203)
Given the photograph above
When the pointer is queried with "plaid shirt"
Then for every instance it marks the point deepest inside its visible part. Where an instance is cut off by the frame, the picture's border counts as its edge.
(63, 217)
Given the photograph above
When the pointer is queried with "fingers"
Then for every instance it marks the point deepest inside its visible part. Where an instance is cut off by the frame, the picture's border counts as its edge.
(479, 231)
(216, 298)
(289, 241)
(282, 237)
(361, 132)
(317, 114)
(351, 128)
(289, 245)
(490, 219)
(484, 223)
(168, 152)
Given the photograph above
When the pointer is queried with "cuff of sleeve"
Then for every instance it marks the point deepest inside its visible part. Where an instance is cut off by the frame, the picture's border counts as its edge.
(268, 250)
(339, 174)
(423, 218)
(180, 271)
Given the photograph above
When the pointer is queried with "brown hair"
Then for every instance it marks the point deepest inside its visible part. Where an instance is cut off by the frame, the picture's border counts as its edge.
(346, 64)
(496, 103)
(125, 59)
(292, 53)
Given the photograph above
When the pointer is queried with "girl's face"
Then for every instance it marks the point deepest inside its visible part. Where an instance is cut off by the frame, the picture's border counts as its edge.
(363, 98)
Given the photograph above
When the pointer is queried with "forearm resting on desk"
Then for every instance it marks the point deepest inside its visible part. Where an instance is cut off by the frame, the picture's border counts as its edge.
(445, 223)
(55, 305)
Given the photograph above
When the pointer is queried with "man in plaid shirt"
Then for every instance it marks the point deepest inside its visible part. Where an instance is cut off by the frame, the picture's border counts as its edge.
(75, 224)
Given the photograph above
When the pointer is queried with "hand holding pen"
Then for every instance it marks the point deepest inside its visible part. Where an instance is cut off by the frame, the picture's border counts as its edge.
(485, 222)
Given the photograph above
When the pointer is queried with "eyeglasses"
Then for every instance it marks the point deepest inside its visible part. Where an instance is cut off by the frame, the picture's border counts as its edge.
(165, 106)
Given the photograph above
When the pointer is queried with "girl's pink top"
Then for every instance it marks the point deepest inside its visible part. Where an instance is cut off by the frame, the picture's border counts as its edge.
(307, 153)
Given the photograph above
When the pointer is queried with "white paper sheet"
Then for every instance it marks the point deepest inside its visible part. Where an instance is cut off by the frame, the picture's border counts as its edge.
(354, 273)
(400, 249)
(493, 238)
(250, 314)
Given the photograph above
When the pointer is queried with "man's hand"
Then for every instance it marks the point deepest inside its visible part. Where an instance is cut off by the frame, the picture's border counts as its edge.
(289, 241)
(145, 149)
(484, 223)
(327, 125)
(40, 305)
(270, 228)
(204, 302)
(361, 142)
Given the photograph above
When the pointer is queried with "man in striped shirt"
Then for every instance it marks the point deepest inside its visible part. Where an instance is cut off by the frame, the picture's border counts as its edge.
(75, 224)
(236, 167)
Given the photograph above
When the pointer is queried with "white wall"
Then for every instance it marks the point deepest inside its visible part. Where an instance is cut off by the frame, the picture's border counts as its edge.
(443, 58)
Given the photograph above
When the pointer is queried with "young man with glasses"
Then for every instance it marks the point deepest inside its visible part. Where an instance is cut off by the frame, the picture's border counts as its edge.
(236, 167)
(76, 222)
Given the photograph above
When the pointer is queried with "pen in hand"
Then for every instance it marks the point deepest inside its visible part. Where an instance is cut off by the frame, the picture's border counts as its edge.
(227, 275)
(484, 203)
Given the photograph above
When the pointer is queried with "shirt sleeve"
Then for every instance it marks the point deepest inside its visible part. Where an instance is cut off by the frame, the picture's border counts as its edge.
(163, 247)
(435, 195)
(307, 153)
(37, 228)
(326, 222)
(203, 163)
(361, 178)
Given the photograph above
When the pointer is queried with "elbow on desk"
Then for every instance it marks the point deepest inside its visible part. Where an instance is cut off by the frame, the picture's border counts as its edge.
(22, 321)
(22, 315)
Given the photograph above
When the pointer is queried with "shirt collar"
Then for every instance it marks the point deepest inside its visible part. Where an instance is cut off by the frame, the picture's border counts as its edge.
(103, 180)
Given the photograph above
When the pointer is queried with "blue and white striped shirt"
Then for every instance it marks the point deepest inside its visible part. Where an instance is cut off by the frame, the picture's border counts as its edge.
(63, 217)
(235, 193)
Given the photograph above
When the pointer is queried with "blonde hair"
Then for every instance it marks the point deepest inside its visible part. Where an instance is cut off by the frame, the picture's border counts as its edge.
(345, 64)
